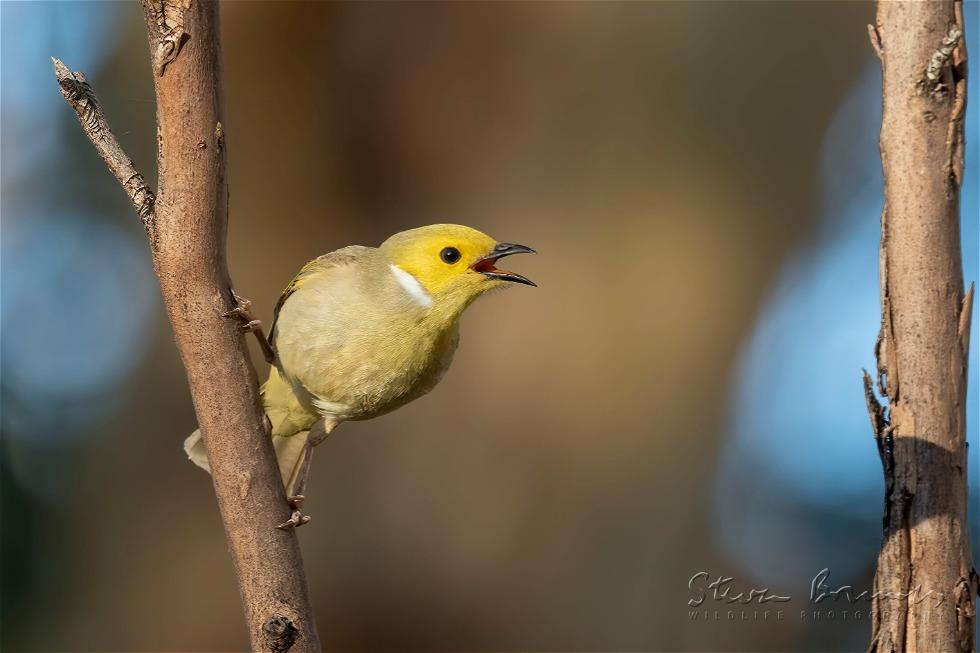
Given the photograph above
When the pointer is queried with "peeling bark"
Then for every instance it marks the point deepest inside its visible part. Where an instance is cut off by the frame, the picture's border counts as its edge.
(925, 584)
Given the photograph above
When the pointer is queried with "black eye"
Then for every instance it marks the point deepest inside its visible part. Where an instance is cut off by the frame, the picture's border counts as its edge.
(449, 255)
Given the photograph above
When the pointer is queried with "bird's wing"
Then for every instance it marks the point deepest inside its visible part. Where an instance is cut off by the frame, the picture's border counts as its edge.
(312, 270)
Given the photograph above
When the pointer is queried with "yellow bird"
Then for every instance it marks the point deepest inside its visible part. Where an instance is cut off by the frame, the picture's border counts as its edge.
(362, 331)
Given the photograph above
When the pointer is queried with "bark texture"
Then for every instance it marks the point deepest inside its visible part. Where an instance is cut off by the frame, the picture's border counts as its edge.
(925, 585)
(186, 226)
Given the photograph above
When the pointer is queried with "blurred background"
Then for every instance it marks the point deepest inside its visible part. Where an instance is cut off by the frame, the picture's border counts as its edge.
(682, 392)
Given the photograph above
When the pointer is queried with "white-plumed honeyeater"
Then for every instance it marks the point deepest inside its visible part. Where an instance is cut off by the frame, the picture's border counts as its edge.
(364, 330)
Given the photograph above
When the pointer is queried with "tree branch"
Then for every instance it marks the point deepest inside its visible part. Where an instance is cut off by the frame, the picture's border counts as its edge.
(925, 583)
(79, 95)
(186, 226)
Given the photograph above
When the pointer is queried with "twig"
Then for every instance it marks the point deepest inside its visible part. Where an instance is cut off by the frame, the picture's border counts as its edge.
(82, 99)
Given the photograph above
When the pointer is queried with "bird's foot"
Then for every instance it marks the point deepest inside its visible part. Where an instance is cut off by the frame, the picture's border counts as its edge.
(297, 519)
(242, 313)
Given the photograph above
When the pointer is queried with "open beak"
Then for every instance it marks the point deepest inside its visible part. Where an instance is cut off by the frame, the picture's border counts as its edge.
(487, 264)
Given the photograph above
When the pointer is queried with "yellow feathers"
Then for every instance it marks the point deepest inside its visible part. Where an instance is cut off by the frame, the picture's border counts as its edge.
(362, 330)
(285, 412)
(418, 252)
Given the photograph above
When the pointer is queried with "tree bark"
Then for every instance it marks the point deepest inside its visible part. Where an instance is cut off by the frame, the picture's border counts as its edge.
(925, 585)
(186, 226)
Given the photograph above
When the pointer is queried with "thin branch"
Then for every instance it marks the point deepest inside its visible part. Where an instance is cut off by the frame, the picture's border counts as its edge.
(80, 96)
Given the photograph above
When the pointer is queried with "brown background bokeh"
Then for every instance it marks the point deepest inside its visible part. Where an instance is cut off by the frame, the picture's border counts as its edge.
(555, 491)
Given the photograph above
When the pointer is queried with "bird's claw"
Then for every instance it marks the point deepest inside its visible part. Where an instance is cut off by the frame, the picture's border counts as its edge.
(297, 519)
(243, 303)
(241, 311)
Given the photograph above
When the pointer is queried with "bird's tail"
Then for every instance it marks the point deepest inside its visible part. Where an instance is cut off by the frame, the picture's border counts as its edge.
(288, 451)
(290, 421)
(194, 448)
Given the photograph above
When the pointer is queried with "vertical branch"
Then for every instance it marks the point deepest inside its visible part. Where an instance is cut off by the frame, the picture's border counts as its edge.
(925, 584)
(186, 227)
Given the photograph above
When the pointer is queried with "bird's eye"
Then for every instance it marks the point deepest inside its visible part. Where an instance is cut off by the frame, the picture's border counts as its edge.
(449, 255)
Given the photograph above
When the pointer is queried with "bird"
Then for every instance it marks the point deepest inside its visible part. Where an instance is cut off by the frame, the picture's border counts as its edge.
(362, 331)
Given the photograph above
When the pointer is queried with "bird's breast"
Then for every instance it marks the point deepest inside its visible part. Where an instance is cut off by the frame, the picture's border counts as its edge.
(368, 365)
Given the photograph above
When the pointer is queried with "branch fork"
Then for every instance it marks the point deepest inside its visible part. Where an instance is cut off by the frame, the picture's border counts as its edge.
(187, 242)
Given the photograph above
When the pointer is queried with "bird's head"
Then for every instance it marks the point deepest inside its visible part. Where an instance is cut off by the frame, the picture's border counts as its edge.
(453, 264)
